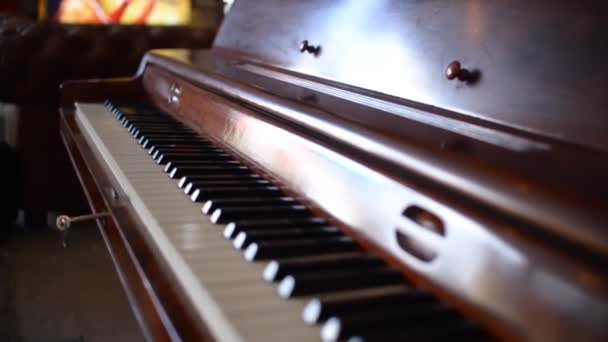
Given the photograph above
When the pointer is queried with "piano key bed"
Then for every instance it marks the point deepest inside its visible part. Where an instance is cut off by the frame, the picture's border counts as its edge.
(256, 263)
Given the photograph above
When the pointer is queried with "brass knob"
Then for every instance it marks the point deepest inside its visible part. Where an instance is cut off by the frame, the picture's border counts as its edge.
(455, 70)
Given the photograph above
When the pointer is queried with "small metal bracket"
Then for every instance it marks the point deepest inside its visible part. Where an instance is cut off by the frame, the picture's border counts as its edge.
(65, 222)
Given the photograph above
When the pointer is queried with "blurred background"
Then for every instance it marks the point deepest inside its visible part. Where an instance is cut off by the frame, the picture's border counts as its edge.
(150, 12)
(48, 293)
(46, 42)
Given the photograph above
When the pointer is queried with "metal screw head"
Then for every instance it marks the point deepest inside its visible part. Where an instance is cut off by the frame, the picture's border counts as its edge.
(63, 222)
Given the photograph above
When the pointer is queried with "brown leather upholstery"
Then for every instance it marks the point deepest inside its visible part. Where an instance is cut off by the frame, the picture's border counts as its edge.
(36, 57)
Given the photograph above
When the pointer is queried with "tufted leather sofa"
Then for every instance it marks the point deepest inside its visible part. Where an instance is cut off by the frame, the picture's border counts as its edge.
(36, 57)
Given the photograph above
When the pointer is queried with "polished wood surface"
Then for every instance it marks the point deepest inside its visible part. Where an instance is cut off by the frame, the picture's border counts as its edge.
(326, 172)
(533, 57)
(549, 185)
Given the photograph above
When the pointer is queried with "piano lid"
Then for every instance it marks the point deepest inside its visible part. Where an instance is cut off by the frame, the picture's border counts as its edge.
(537, 66)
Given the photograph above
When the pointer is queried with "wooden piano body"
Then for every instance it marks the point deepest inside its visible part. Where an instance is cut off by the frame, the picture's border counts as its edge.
(489, 192)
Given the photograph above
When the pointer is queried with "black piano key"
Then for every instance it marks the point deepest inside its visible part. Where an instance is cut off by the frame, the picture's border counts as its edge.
(190, 187)
(418, 321)
(454, 330)
(235, 214)
(149, 119)
(124, 121)
(161, 124)
(276, 270)
(210, 205)
(148, 133)
(139, 132)
(116, 114)
(232, 229)
(202, 195)
(137, 111)
(244, 239)
(208, 170)
(172, 136)
(211, 160)
(201, 160)
(148, 122)
(298, 247)
(142, 112)
(318, 310)
(166, 153)
(163, 158)
(200, 154)
(146, 119)
(133, 131)
(157, 129)
(157, 151)
(185, 180)
(179, 146)
(149, 142)
(307, 283)
(151, 127)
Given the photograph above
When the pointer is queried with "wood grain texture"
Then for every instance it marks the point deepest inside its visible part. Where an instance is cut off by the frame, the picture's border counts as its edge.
(549, 185)
(541, 63)
(366, 200)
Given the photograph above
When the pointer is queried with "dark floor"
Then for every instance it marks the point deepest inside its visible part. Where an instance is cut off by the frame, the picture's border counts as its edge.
(48, 293)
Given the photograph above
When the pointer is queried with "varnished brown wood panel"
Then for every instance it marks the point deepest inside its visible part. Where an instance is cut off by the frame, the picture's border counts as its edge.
(366, 202)
(555, 189)
(541, 63)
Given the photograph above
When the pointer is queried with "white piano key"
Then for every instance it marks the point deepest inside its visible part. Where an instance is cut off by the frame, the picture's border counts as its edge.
(227, 292)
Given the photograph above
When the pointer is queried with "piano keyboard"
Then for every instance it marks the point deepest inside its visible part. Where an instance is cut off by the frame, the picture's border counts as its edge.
(256, 264)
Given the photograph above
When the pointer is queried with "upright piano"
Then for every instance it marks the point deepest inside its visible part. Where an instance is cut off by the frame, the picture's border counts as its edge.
(360, 170)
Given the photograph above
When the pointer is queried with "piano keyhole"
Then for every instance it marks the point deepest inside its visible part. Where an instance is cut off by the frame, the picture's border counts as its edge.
(425, 219)
(420, 233)
(415, 247)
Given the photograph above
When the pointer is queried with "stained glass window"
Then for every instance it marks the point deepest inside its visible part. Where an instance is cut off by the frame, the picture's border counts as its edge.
(149, 12)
